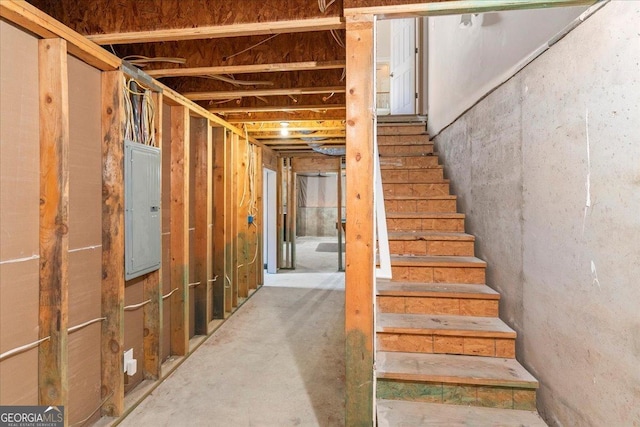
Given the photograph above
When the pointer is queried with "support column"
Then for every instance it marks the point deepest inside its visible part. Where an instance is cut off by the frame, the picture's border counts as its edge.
(359, 237)
(180, 230)
(220, 235)
(54, 222)
(113, 121)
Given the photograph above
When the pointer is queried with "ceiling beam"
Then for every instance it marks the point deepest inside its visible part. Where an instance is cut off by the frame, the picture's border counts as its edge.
(318, 108)
(220, 31)
(241, 117)
(275, 143)
(230, 94)
(267, 137)
(244, 69)
(296, 126)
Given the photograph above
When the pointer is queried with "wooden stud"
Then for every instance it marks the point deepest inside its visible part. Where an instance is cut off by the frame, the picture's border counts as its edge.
(339, 216)
(252, 235)
(180, 123)
(201, 136)
(152, 288)
(242, 198)
(113, 122)
(280, 213)
(293, 200)
(360, 252)
(54, 222)
(259, 217)
(231, 208)
(220, 230)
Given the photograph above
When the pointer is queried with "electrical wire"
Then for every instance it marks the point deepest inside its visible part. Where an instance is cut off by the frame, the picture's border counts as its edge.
(226, 58)
(236, 82)
(142, 61)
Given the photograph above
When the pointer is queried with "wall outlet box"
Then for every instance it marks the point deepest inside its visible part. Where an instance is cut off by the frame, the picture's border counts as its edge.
(250, 219)
(130, 365)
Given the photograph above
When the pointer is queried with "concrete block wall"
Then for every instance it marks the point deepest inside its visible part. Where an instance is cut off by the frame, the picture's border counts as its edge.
(547, 169)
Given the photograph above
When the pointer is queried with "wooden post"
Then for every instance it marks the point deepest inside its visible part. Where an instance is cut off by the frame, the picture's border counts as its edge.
(339, 217)
(293, 199)
(242, 198)
(230, 279)
(54, 222)
(220, 231)
(258, 219)
(180, 230)
(235, 188)
(279, 211)
(113, 121)
(360, 251)
(152, 288)
(203, 200)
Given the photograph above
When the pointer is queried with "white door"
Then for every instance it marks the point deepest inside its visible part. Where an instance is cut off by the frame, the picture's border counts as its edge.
(403, 66)
(270, 225)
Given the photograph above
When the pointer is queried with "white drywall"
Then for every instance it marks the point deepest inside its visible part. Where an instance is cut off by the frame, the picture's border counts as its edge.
(547, 169)
(468, 61)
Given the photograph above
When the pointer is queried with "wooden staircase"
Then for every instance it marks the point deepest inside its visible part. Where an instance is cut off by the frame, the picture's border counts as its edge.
(443, 355)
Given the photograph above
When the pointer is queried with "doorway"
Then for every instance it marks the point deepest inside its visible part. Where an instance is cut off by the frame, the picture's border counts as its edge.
(396, 64)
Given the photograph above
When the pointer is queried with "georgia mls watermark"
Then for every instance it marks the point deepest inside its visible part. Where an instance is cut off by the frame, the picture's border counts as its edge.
(31, 416)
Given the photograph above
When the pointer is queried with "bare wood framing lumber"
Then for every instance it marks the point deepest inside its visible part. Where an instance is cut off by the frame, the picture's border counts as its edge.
(296, 125)
(386, 9)
(315, 108)
(280, 172)
(247, 69)
(205, 96)
(339, 216)
(152, 288)
(54, 222)
(219, 224)
(30, 18)
(220, 31)
(259, 215)
(113, 122)
(241, 217)
(315, 164)
(180, 230)
(359, 239)
(201, 135)
(283, 116)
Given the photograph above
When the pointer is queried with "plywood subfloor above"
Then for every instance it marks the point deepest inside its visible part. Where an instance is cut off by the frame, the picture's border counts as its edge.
(447, 368)
(393, 413)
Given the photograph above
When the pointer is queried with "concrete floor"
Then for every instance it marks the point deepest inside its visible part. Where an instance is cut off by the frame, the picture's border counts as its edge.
(278, 361)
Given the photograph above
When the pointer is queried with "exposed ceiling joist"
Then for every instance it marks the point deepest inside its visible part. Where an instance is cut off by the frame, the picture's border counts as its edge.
(296, 125)
(269, 108)
(283, 116)
(230, 94)
(244, 69)
(268, 137)
(275, 143)
(220, 31)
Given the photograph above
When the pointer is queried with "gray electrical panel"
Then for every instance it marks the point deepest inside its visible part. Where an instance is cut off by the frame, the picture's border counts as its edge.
(143, 233)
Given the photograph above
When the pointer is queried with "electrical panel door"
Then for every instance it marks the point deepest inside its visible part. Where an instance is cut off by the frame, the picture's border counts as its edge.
(142, 219)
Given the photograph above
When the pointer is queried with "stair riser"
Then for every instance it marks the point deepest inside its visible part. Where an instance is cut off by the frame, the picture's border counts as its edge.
(402, 130)
(418, 224)
(431, 247)
(412, 175)
(457, 394)
(408, 162)
(403, 150)
(432, 343)
(416, 189)
(403, 139)
(438, 306)
(471, 275)
(444, 206)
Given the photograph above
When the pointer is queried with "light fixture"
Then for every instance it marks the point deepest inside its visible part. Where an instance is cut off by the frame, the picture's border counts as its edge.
(284, 131)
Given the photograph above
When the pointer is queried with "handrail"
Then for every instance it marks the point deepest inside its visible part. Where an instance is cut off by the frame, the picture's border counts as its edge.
(380, 216)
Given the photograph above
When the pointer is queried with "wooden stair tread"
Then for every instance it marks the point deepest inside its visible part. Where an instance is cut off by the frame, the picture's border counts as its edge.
(425, 215)
(383, 156)
(394, 413)
(437, 261)
(436, 290)
(425, 197)
(423, 181)
(430, 235)
(427, 324)
(406, 140)
(456, 369)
